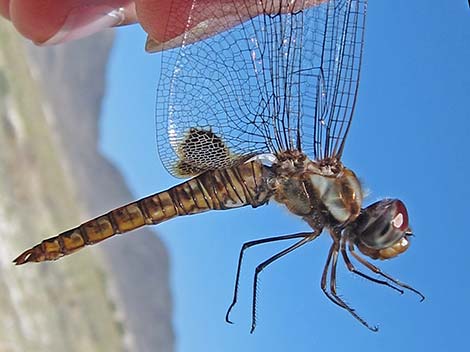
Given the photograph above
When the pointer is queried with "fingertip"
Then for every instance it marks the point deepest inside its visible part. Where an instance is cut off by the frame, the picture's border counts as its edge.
(37, 20)
(169, 23)
(53, 22)
(154, 16)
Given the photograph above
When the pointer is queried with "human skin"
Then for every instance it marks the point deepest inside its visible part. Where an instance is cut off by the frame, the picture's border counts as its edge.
(49, 22)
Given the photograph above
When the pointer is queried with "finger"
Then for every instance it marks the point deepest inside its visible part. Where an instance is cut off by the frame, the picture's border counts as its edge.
(166, 20)
(154, 15)
(50, 22)
(5, 8)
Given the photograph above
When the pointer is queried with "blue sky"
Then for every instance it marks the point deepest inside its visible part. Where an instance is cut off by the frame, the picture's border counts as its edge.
(410, 139)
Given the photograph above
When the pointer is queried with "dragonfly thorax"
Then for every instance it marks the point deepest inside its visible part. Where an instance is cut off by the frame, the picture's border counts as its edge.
(323, 190)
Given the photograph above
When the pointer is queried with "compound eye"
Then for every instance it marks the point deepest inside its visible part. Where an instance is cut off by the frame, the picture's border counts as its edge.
(400, 220)
(383, 228)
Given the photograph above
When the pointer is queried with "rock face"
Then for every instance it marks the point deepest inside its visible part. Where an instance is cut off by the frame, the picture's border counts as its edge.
(52, 177)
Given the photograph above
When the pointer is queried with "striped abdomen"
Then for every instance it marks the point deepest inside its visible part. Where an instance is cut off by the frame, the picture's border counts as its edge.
(245, 184)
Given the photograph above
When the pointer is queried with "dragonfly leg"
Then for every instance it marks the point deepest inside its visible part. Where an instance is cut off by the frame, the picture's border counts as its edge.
(307, 238)
(324, 278)
(353, 269)
(247, 245)
(334, 261)
(376, 270)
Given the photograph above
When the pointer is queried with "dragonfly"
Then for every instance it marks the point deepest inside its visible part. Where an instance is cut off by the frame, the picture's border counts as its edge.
(254, 104)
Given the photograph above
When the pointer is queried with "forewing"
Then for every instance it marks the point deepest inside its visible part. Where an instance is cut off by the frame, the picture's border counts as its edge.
(337, 86)
(268, 76)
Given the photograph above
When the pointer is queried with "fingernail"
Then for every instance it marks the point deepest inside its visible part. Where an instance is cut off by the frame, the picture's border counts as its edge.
(84, 21)
(152, 45)
(194, 34)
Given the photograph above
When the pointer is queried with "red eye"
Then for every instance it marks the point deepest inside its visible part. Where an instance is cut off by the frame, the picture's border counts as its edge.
(383, 225)
(400, 220)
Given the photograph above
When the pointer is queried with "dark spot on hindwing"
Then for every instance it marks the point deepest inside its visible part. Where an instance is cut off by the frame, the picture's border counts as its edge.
(202, 150)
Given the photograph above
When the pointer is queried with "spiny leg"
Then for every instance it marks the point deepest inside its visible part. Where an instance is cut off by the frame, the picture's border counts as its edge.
(334, 261)
(376, 270)
(240, 260)
(264, 264)
(353, 269)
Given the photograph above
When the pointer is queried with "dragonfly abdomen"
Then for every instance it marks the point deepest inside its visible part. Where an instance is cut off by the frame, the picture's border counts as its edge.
(242, 185)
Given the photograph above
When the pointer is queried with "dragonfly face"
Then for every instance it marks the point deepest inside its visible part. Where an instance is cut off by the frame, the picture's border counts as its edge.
(381, 231)
(272, 81)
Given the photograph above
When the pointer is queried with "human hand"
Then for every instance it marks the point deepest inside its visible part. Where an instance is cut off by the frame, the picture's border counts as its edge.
(49, 22)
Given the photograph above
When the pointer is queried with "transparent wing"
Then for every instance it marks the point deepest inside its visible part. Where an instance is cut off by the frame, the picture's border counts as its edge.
(338, 82)
(269, 76)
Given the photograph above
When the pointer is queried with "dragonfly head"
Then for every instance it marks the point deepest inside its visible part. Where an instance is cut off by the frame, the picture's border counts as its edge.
(381, 231)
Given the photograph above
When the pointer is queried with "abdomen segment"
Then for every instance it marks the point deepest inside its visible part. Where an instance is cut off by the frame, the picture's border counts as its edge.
(213, 190)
